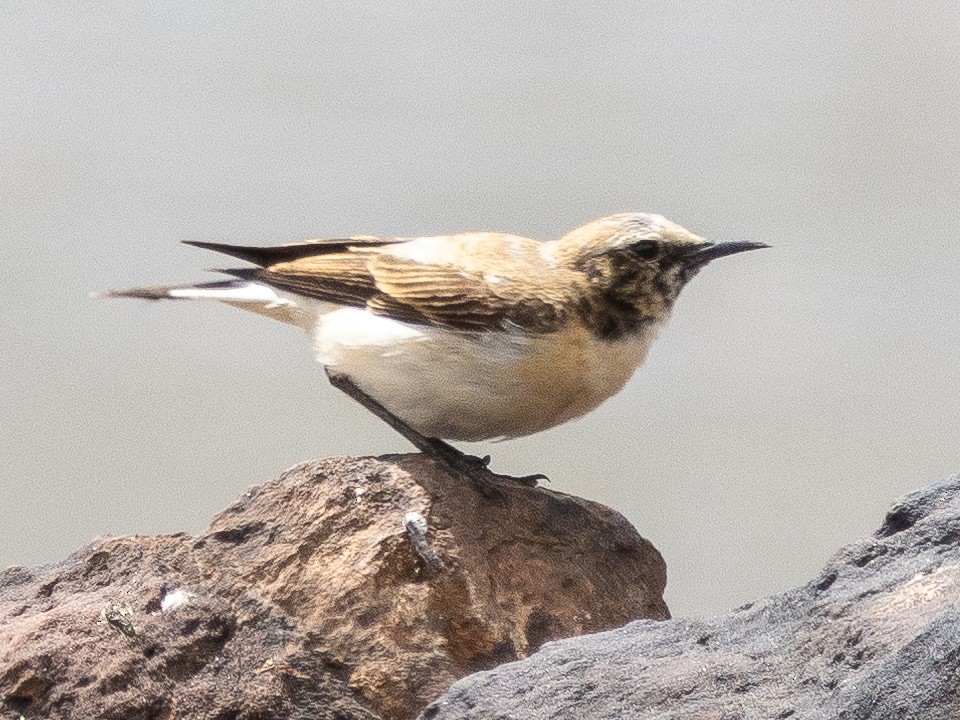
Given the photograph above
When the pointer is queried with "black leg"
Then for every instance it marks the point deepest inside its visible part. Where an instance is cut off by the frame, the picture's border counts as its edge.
(453, 460)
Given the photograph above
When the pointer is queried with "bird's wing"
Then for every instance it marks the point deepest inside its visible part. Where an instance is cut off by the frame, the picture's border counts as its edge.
(472, 282)
(469, 294)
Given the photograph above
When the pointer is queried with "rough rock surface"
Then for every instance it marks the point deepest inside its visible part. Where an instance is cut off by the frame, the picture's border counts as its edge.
(308, 598)
(876, 636)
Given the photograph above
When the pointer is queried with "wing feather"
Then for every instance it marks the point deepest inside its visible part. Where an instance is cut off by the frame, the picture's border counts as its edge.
(444, 282)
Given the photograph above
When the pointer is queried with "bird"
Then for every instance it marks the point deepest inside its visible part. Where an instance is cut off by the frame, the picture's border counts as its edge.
(471, 336)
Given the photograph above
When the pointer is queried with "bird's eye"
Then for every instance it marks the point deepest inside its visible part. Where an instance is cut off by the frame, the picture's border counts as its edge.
(646, 249)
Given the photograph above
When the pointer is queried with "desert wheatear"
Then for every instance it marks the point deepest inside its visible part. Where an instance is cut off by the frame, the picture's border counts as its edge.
(472, 336)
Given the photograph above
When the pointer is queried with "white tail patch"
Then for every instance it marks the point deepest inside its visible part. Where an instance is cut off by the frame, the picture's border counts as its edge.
(240, 292)
(244, 294)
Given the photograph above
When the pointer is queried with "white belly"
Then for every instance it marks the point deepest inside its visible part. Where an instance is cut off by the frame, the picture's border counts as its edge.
(474, 387)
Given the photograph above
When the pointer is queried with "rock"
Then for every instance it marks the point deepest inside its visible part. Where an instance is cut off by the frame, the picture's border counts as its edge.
(317, 595)
(876, 635)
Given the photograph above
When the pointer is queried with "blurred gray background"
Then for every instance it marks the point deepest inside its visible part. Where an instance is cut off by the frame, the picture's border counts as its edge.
(796, 394)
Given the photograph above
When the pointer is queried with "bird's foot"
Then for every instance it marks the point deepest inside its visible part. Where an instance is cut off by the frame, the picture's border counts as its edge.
(454, 461)
(475, 468)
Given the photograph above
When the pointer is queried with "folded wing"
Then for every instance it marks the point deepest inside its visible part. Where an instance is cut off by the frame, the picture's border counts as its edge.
(475, 282)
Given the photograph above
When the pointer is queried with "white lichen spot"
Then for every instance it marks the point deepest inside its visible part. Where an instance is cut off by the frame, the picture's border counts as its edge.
(174, 599)
(416, 520)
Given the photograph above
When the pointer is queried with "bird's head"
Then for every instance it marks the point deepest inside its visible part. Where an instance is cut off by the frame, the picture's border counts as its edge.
(635, 265)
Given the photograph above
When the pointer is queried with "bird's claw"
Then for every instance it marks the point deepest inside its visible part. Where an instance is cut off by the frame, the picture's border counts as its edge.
(482, 473)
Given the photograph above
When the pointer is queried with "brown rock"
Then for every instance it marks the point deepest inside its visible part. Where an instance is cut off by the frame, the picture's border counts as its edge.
(308, 598)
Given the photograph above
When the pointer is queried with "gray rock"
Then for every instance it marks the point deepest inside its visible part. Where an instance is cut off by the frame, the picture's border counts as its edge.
(876, 635)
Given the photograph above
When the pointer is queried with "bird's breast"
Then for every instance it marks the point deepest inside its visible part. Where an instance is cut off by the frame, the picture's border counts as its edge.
(477, 386)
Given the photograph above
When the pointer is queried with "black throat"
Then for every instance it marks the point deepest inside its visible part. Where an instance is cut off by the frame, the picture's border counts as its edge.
(610, 317)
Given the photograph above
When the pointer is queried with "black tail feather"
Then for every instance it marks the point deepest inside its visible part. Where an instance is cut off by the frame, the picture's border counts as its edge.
(264, 256)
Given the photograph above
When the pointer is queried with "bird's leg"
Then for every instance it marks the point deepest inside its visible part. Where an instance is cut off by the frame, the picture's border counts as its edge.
(453, 460)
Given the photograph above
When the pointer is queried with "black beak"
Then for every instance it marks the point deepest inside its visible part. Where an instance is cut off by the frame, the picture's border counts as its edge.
(702, 254)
